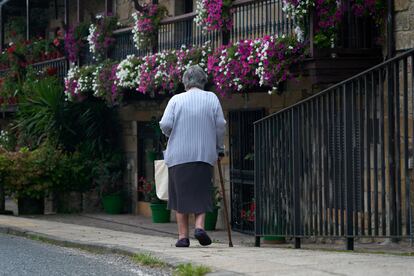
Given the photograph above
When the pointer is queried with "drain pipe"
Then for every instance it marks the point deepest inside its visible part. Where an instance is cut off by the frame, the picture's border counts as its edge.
(390, 29)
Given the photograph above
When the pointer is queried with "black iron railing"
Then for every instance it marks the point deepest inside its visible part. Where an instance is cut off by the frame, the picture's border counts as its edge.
(60, 66)
(254, 19)
(340, 164)
(182, 30)
(124, 45)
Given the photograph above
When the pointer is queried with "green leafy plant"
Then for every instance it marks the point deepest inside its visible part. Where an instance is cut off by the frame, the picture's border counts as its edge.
(30, 173)
(217, 198)
(191, 270)
(148, 260)
(148, 190)
(107, 173)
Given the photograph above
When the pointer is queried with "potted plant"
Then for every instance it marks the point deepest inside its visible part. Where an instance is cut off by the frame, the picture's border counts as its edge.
(107, 175)
(30, 177)
(159, 211)
(211, 217)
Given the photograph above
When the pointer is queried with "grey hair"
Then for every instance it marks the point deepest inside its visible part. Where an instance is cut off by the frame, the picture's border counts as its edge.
(194, 76)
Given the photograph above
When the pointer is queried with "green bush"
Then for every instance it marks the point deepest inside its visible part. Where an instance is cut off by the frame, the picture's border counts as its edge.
(29, 173)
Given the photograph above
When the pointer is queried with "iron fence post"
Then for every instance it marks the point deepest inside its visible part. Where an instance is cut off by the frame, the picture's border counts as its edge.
(391, 149)
(296, 176)
(257, 169)
(348, 167)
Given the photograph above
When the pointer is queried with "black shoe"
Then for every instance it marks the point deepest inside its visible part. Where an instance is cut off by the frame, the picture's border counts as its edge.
(202, 237)
(184, 242)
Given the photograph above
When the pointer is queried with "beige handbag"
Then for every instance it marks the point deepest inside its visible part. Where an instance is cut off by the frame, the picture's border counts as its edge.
(161, 179)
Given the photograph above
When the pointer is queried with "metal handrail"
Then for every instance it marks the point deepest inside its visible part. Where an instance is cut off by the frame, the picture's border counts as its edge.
(385, 63)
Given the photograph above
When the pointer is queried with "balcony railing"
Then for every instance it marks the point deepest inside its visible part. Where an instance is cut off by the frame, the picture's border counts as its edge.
(252, 19)
(60, 65)
(339, 164)
(57, 66)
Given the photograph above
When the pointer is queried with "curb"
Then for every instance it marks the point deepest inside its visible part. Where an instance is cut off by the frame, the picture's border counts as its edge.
(103, 248)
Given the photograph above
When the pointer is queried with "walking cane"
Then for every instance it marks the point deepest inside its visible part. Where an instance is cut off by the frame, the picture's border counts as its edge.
(226, 214)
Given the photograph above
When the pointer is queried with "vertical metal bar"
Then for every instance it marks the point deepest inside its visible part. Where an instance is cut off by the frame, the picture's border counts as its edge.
(368, 135)
(324, 148)
(412, 142)
(341, 171)
(334, 163)
(309, 170)
(375, 149)
(382, 147)
(347, 102)
(391, 148)
(318, 164)
(258, 184)
(398, 148)
(312, 158)
(295, 175)
(407, 178)
(363, 99)
(355, 157)
(329, 162)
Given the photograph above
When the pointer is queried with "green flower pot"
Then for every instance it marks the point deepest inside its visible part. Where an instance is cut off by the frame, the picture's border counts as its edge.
(160, 213)
(151, 156)
(211, 220)
(112, 204)
(274, 239)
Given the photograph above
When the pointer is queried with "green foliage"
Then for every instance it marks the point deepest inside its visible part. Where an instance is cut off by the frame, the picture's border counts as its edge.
(148, 260)
(29, 173)
(191, 270)
(107, 173)
(217, 198)
(148, 190)
(42, 114)
(7, 140)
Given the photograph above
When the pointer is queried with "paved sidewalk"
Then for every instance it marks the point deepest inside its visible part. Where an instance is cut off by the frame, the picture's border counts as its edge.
(223, 260)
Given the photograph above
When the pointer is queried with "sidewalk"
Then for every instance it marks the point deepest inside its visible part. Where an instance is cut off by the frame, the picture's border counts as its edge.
(222, 259)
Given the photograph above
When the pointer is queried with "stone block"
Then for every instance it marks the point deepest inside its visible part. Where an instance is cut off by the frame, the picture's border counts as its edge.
(401, 21)
(91, 201)
(129, 143)
(401, 5)
(404, 40)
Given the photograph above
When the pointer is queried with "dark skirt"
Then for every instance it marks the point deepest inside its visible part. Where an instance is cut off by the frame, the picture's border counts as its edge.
(190, 188)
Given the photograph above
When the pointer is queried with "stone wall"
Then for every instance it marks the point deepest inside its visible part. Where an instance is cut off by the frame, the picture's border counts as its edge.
(404, 24)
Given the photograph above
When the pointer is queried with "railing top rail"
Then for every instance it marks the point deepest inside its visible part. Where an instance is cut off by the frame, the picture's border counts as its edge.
(246, 2)
(174, 19)
(123, 30)
(186, 16)
(376, 67)
(48, 61)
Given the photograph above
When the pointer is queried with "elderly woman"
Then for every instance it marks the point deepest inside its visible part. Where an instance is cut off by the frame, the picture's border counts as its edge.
(195, 125)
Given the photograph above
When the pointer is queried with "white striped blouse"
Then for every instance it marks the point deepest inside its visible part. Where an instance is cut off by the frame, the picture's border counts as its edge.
(195, 125)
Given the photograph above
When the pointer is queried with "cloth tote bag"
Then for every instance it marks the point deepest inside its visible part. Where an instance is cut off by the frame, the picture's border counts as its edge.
(161, 179)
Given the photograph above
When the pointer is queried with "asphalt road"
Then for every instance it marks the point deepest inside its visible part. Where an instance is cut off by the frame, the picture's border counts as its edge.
(20, 256)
